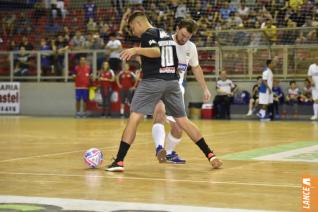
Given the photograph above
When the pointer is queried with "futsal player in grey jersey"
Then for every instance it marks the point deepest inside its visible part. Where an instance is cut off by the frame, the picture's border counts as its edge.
(160, 82)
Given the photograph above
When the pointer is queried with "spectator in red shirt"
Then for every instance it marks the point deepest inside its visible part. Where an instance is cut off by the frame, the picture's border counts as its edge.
(106, 78)
(82, 81)
(125, 81)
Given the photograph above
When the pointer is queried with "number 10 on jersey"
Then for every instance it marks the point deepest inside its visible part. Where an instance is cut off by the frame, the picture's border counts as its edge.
(167, 56)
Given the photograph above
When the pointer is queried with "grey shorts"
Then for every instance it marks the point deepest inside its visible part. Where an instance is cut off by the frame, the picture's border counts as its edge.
(150, 91)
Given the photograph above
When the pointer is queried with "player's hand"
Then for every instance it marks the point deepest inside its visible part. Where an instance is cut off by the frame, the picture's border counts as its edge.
(128, 53)
(206, 95)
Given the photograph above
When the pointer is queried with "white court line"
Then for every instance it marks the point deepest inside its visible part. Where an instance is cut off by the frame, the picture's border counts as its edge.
(108, 206)
(285, 155)
(60, 153)
(121, 176)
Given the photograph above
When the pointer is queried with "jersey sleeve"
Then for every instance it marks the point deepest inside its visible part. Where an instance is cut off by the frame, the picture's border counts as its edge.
(194, 61)
(149, 39)
(265, 75)
(310, 71)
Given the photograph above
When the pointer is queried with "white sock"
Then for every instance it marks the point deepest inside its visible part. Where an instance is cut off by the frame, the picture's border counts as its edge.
(171, 143)
(158, 134)
(315, 109)
(262, 112)
(121, 110)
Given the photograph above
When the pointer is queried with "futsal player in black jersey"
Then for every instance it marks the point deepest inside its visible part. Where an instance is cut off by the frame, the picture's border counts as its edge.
(160, 82)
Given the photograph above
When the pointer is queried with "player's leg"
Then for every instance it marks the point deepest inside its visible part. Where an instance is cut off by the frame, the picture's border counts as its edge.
(78, 102)
(85, 100)
(250, 107)
(158, 131)
(122, 103)
(146, 97)
(263, 101)
(172, 140)
(315, 104)
(194, 133)
(127, 139)
(174, 105)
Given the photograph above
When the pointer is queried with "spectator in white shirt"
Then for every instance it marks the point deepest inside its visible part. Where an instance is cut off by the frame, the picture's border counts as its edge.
(225, 89)
(114, 47)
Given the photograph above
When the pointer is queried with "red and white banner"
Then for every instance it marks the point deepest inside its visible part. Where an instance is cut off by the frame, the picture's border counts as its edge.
(9, 98)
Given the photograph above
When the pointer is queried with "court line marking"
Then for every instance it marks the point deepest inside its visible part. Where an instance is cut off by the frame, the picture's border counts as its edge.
(61, 153)
(108, 206)
(285, 155)
(122, 177)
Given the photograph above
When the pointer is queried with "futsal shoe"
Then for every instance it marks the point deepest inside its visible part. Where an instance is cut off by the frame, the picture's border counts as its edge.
(174, 158)
(116, 167)
(215, 162)
(314, 118)
(161, 154)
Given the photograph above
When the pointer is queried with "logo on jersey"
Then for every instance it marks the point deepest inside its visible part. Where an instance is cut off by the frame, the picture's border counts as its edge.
(163, 34)
(182, 67)
(152, 42)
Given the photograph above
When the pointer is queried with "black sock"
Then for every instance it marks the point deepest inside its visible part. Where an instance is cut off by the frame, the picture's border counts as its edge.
(122, 151)
(205, 148)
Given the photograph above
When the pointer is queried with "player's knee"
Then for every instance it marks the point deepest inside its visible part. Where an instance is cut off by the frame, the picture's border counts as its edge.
(176, 132)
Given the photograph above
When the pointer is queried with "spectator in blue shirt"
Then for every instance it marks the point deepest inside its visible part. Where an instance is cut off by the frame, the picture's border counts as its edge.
(90, 10)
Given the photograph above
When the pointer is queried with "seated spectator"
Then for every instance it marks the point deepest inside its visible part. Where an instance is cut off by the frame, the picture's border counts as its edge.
(278, 98)
(39, 10)
(23, 25)
(26, 44)
(306, 96)
(225, 89)
(22, 65)
(254, 100)
(91, 25)
(293, 96)
(106, 78)
(125, 81)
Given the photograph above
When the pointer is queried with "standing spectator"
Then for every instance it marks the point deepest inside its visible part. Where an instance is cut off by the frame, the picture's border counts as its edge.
(90, 10)
(106, 78)
(265, 91)
(225, 89)
(125, 81)
(45, 57)
(293, 96)
(181, 11)
(254, 100)
(270, 31)
(114, 47)
(278, 98)
(8, 25)
(78, 41)
(59, 47)
(82, 80)
(313, 77)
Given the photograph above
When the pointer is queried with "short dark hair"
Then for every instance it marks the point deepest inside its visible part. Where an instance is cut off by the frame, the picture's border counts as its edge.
(189, 24)
(259, 77)
(291, 82)
(268, 62)
(135, 15)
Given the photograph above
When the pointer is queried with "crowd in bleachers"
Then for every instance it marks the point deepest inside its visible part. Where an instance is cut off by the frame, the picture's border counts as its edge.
(50, 18)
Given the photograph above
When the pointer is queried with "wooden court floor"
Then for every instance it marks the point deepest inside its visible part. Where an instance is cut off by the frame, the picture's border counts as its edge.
(43, 157)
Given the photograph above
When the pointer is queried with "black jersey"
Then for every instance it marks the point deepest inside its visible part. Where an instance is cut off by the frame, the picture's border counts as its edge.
(164, 67)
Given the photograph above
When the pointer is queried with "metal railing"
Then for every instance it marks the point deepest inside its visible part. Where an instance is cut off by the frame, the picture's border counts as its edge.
(291, 61)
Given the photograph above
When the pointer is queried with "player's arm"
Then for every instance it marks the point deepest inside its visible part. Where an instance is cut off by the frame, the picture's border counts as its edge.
(151, 52)
(266, 85)
(198, 73)
(112, 79)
